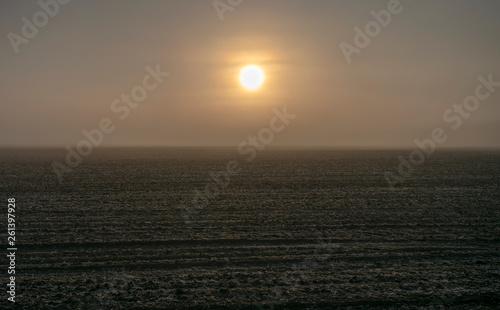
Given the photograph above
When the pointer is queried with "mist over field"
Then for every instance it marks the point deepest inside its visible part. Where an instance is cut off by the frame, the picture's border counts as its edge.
(250, 154)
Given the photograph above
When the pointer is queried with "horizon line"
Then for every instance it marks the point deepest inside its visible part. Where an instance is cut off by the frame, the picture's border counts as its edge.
(328, 147)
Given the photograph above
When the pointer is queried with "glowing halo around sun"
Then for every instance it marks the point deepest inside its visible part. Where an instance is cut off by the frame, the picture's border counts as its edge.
(251, 77)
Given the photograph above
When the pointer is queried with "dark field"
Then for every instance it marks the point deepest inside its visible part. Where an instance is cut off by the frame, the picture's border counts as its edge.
(296, 229)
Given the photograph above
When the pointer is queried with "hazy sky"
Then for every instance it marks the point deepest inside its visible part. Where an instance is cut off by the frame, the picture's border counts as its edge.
(396, 90)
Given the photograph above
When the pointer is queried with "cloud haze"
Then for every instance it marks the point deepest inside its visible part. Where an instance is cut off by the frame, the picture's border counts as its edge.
(396, 90)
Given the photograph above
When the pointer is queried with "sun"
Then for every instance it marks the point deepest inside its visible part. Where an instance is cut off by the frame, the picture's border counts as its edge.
(251, 77)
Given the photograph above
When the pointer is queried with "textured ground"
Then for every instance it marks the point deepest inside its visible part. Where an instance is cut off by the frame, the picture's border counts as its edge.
(296, 229)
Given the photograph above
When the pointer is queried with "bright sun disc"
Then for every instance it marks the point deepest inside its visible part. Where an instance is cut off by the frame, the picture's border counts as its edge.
(251, 77)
